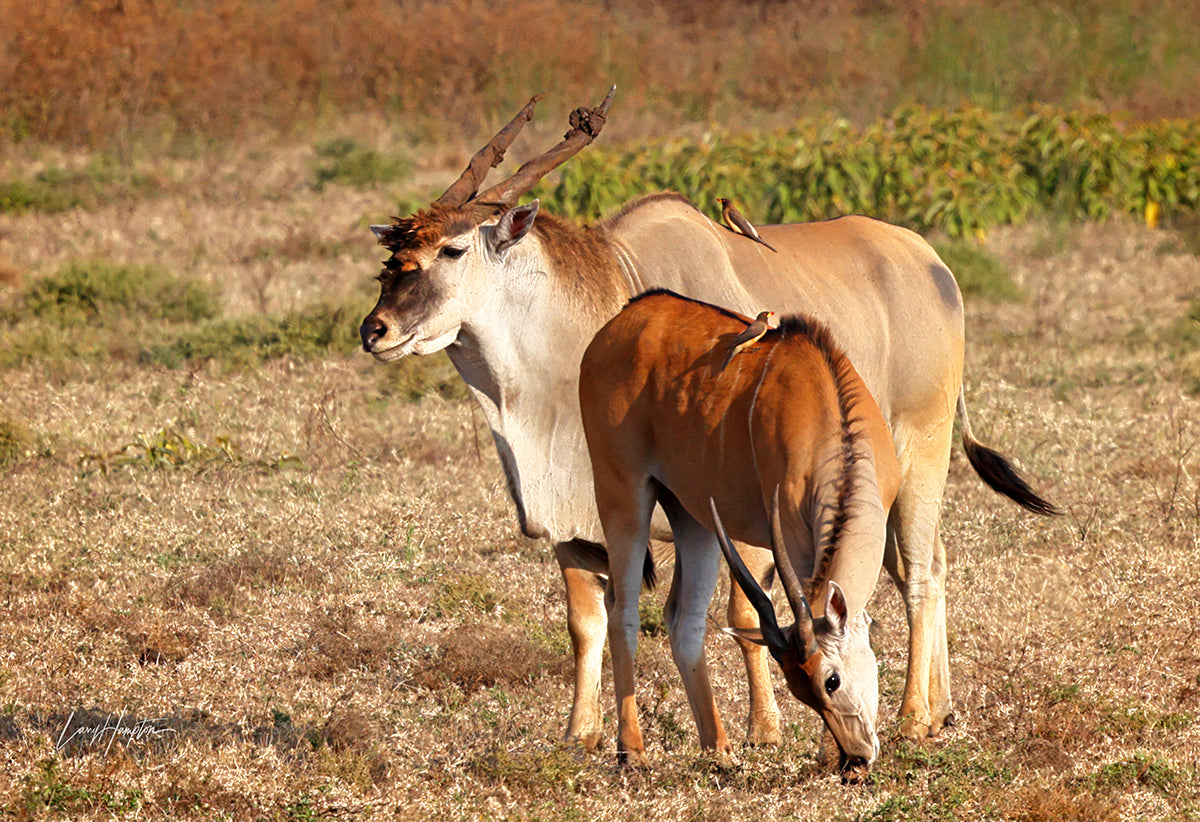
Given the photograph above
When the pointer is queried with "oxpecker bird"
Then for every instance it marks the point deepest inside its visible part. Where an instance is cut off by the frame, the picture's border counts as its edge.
(734, 219)
(750, 335)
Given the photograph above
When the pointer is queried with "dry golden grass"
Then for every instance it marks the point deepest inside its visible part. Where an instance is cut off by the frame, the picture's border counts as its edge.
(341, 621)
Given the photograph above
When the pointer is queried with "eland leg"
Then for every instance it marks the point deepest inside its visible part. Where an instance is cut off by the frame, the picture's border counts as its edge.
(584, 568)
(625, 514)
(697, 565)
(916, 560)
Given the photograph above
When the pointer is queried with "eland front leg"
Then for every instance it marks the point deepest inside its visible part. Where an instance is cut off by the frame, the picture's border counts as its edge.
(584, 568)
(697, 565)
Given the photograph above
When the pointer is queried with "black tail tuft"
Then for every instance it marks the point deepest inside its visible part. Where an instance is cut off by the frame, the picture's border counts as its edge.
(649, 574)
(1000, 475)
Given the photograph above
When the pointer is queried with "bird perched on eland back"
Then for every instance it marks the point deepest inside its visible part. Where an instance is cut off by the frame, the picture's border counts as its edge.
(752, 334)
(734, 219)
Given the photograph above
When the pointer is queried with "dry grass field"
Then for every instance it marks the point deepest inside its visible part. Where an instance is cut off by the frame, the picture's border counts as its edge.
(246, 576)
(249, 573)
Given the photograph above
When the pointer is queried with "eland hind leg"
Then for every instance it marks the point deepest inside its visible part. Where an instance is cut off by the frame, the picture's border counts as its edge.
(625, 514)
(916, 560)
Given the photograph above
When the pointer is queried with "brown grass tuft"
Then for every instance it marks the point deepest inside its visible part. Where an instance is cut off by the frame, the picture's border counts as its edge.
(227, 587)
(342, 639)
(155, 639)
(1057, 804)
(482, 656)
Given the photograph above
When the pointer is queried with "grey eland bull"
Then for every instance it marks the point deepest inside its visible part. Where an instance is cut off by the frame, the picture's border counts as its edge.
(514, 295)
(788, 442)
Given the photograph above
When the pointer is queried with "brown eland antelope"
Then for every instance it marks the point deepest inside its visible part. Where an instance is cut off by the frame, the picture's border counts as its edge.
(668, 424)
(513, 295)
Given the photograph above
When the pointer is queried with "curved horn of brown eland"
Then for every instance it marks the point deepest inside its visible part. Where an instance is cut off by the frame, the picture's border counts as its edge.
(585, 126)
(464, 188)
(772, 636)
(997, 472)
(791, 583)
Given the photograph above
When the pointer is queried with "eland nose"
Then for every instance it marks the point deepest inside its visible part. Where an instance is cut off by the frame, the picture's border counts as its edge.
(371, 330)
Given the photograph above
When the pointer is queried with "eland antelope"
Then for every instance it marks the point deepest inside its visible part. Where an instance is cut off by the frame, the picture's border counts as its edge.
(668, 424)
(513, 295)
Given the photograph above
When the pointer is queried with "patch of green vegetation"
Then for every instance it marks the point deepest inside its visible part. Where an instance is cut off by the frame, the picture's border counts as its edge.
(310, 332)
(652, 620)
(468, 592)
(36, 195)
(54, 190)
(1144, 769)
(957, 773)
(979, 274)
(345, 162)
(540, 772)
(1186, 330)
(16, 442)
(89, 290)
(413, 378)
(48, 790)
(171, 449)
(1182, 340)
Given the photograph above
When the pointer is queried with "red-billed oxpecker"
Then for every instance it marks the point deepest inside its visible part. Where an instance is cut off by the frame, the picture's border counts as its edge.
(750, 336)
(736, 221)
(789, 422)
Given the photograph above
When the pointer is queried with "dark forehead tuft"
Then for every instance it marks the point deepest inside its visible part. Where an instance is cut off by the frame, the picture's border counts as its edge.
(426, 227)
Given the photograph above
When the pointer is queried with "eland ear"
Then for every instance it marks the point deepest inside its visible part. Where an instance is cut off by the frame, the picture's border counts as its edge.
(513, 226)
(837, 612)
(876, 634)
(752, 635)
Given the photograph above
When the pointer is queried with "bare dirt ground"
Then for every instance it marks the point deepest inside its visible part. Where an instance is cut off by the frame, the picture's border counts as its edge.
(318, 605)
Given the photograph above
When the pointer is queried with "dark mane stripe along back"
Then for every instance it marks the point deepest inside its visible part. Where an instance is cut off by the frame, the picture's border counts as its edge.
(666, 292)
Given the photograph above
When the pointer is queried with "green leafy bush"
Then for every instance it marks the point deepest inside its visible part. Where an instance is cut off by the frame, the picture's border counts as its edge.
(961, 172)
(979, 274)
(311, 332)
(87, 290)
(345, 162)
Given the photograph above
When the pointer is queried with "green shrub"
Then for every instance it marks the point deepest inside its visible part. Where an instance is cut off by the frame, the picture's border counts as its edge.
(979, 274)
(961, 172)
(87, 290)
(54, 190)
(36, 195)
(344, 162)
(311, 332)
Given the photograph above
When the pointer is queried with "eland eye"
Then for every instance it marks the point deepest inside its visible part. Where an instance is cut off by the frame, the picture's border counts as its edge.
(832, 683)
(451, 252)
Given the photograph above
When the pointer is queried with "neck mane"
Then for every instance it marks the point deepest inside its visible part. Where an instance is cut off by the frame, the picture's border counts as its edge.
(851, 451)
(583, 266)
